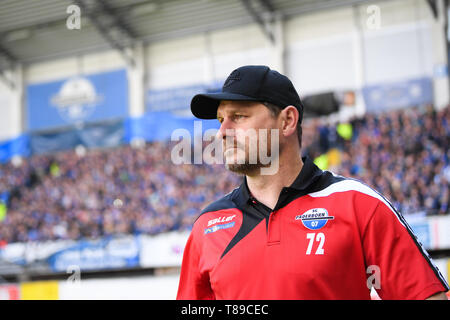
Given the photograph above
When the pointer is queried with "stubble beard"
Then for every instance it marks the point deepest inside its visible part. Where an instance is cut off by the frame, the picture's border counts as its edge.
(247, 168)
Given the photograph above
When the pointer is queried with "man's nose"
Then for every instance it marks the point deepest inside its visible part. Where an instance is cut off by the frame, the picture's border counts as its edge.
(225, 129)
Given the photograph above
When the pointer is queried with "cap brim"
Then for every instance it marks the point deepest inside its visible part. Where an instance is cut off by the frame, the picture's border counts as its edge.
(204, 106)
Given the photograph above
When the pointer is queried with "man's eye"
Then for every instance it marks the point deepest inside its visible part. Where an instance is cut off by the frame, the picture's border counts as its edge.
(239, 116)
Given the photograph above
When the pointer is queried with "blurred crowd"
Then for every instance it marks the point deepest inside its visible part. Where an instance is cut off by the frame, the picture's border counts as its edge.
(403, 154)
(123, 190)
(73, 195)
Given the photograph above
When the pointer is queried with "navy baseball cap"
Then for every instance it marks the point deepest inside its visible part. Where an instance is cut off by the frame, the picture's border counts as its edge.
(249, 83)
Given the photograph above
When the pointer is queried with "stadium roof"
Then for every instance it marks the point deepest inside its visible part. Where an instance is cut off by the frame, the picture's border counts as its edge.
(36, 30)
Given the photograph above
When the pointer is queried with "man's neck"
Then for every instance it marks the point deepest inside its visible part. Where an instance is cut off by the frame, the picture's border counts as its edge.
(266, 188)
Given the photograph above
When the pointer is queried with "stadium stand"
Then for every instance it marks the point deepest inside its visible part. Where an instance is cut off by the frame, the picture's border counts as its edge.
(91, 205)
(132, 190)
(403, 154)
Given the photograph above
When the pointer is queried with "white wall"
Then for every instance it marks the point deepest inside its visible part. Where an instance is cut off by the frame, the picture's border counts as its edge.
(10, 117)
(402, 46)
(204, 58)
(235, 47)
(66, 67)
(11, 102)
(131, 288)
(327, 49)
(319, 51)
(320, 65)
(398, 53)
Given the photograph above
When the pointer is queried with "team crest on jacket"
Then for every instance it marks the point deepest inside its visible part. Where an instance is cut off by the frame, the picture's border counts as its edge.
(314, 219)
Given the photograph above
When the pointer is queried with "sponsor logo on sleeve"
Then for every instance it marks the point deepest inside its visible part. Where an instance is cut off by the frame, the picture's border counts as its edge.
(218, 227)
(217, 224)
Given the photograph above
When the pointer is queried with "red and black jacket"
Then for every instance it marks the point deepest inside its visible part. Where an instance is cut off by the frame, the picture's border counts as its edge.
(328, 237)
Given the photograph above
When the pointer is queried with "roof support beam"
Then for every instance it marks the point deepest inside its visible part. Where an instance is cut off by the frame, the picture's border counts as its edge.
(7, 79)
(433, 7)
(267, 4)
(106, 8)
(115, 31)
(7, 54)
(11, 62)
(61, 21)
(259, 18)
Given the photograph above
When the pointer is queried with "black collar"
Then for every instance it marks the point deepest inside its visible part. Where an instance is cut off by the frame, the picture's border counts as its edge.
(307, 176)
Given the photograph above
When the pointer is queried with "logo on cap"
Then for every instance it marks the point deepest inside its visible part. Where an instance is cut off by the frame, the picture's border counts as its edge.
(234, 76)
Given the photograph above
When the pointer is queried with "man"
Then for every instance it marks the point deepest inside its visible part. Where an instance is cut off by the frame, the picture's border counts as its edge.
(299, 232)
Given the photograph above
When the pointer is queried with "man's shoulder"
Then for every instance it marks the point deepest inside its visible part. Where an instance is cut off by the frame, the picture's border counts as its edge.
(332, 183)
(226, 202)
(347, 189)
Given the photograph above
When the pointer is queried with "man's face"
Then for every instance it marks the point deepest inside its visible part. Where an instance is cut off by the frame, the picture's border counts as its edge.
(246, 132)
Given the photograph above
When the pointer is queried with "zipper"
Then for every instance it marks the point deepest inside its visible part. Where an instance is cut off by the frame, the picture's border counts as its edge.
(273, 225)
(273, 229)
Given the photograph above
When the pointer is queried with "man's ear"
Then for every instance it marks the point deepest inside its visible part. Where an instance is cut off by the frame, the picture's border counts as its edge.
(289, 116)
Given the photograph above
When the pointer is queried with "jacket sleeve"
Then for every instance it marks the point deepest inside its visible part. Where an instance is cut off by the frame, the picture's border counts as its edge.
(194, 284)
(397, 264)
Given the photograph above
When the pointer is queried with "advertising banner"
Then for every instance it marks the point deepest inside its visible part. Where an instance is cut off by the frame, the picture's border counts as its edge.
(165, 250)
(101, 254)
(39, 290)
(145, 251)
(9, 292)
(76, 100)
(168, 110)
(422, 229)
(397, 95)
(105, 135)
(175, 100)
(18, 146)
